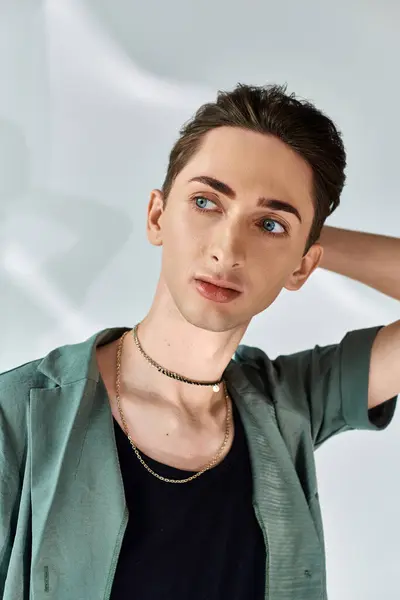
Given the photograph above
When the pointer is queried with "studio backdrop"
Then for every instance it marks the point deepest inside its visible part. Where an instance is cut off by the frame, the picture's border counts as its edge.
(92, 95)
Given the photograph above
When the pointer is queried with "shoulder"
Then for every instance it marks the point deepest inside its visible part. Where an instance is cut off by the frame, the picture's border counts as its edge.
(15, 386)
(61, 366)
(264, 373)
(25, 375)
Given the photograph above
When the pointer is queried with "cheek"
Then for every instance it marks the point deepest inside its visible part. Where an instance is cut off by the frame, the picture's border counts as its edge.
(265, 288)
(272, 256)
(270, 271)
(182, 241)
(188, 237)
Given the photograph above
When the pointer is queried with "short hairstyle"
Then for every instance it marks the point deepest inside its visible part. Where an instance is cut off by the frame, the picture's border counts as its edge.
(270, 110)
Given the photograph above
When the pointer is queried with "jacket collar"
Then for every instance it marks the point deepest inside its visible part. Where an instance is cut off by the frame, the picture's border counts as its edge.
(70, 363)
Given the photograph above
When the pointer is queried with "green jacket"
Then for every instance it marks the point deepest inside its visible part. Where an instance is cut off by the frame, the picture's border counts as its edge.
(62, 505)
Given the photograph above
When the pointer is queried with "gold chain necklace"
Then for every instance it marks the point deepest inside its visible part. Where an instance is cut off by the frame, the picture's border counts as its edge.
(216, 458)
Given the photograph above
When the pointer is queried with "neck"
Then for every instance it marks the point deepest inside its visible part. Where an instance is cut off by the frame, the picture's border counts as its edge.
(177, 345)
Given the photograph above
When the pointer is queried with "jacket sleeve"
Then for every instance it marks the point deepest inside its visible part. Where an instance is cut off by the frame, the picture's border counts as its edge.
(330, 384)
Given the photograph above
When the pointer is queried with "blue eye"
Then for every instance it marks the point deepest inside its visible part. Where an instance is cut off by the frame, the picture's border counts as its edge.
(272, 221)
(202, 199)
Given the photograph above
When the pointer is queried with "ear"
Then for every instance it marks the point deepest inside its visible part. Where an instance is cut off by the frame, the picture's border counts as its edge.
(308, 264)
(155, 211)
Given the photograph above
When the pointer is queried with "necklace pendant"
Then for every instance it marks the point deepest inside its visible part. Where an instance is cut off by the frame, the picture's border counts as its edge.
(216, 387)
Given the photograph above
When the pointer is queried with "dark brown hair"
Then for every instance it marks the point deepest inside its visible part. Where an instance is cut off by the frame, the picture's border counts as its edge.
(270, 110)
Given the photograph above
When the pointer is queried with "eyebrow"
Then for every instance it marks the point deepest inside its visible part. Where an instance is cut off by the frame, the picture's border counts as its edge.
(225, 189)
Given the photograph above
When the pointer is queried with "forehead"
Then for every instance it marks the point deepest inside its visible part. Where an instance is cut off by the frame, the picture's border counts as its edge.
(253, 164)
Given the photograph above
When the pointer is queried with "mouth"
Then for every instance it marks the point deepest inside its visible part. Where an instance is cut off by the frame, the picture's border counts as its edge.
(216, 293)
(221, 283)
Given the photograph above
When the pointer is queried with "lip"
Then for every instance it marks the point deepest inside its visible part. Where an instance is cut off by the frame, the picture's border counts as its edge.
(216, 293)
(221, 283)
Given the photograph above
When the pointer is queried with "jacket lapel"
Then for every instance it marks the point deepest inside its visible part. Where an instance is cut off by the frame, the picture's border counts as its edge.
(79, 512)
(294, 556)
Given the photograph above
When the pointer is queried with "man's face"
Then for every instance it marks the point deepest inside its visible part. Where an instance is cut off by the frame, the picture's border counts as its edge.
(258, 247)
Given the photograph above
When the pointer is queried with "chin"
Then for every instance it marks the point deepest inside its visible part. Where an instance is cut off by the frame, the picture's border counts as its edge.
(210, 320)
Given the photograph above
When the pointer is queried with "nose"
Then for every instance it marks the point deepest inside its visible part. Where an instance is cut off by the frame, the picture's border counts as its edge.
(227, 248)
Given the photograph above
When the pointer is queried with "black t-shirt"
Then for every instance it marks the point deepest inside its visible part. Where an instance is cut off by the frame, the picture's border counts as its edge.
(192, 541)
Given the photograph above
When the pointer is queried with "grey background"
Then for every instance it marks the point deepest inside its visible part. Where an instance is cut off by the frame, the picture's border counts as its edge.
(92, 94)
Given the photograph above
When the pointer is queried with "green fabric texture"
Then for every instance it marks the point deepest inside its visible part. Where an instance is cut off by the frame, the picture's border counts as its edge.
(62, 505)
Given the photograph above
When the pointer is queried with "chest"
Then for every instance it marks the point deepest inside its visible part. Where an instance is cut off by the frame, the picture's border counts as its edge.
(207, 526)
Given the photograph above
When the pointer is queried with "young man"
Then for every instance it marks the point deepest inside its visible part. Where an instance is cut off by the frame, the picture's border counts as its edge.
(148, 463)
